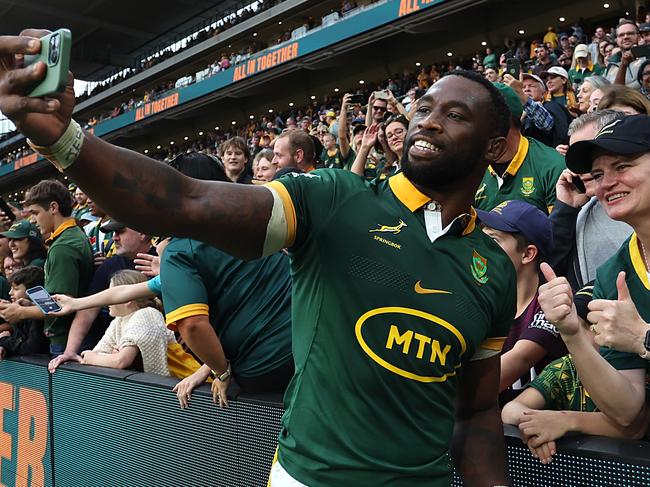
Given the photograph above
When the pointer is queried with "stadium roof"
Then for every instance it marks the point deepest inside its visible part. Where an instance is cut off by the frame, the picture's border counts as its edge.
(109, 34)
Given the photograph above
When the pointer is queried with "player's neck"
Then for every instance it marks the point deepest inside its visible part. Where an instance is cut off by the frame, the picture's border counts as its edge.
(513, 138)
(456, 199)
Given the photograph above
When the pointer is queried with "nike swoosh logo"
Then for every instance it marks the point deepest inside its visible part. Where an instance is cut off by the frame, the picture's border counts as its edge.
(421, 290)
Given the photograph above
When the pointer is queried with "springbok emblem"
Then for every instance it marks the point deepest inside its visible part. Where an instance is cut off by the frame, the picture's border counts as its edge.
(388, 229)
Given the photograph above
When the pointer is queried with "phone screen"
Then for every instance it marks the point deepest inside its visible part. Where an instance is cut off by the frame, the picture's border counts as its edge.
(43, 299)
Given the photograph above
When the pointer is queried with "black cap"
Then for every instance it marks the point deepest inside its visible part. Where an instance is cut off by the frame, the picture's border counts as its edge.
(627, 136)
(112, 226)
(644, 27)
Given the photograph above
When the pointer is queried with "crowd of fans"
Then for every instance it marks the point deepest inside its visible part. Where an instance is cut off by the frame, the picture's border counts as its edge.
(223, 62)
(219, 24)
(552, 216)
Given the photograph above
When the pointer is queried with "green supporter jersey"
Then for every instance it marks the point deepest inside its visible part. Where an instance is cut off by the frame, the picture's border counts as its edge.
(68, 270)
(561, 388)
(383, 319)
(629, 259)
(531, 176)
(248, 302)
(336, 160)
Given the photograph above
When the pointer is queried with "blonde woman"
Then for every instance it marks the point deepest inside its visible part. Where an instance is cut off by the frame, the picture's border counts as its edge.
(137, 335)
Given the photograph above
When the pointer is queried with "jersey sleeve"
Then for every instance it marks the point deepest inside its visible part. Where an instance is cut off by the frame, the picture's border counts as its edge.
(63, 271)
(306, 201)
(184, 294)
(548, 384)
(504, 316)
(155, 286)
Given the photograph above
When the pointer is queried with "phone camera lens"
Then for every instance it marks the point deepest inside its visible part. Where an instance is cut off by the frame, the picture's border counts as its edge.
(55, 42)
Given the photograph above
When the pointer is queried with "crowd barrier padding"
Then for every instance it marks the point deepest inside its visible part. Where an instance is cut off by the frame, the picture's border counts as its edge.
(92, 426)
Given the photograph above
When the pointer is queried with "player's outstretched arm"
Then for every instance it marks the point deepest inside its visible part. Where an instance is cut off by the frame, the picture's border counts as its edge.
(142, 193)
(153, 198)
(478, 447)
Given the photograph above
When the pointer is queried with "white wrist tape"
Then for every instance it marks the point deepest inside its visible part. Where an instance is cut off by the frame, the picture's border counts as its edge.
(64, 152)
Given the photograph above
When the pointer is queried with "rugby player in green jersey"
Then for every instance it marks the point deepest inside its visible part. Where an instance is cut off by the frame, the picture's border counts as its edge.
(400, 302)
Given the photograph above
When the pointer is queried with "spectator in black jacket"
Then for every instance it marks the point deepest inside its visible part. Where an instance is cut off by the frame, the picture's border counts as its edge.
(27, 337)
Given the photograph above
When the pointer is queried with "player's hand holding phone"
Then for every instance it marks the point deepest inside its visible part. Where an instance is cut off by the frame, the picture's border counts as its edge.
(42, 119)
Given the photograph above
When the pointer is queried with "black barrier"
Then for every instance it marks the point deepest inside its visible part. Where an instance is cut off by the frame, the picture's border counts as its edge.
(119, 428)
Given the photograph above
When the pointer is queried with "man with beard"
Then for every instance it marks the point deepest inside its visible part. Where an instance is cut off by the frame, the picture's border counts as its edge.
(400, 302)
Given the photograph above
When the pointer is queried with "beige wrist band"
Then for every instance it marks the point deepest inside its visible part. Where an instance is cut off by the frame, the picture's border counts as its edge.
(64, 151)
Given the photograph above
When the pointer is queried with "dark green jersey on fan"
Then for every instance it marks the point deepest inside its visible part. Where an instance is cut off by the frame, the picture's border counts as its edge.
(383, 319)
(628, 259)
(531, 176)
(248, 302)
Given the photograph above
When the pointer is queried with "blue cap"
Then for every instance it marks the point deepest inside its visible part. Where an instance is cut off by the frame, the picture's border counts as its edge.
(516, 216)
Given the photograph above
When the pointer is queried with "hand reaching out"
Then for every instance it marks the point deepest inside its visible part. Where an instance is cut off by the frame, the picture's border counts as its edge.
(148, 264)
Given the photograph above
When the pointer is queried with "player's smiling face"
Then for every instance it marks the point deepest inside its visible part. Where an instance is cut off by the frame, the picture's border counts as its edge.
(448, 133)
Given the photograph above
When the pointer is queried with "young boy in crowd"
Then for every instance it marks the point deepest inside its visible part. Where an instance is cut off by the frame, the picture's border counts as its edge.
(524, 233)
(27, 337)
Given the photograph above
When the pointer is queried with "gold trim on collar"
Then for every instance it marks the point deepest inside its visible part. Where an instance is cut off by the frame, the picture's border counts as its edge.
(62, 228)
(518, 160)
(471, 224)
(407, 193)
(413, 199)
(637, 261)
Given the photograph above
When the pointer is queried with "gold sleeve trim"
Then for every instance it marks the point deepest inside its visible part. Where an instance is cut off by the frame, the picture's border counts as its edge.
(289, 210)
(197, 309)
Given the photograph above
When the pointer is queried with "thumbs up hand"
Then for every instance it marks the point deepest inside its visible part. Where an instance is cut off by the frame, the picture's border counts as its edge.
(617, 324)
(556, 300)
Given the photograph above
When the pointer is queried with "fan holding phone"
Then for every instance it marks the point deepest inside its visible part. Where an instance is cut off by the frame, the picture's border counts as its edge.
(624, 71)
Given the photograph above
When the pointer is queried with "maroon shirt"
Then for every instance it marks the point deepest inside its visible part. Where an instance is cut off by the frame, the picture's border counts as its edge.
(532, 325)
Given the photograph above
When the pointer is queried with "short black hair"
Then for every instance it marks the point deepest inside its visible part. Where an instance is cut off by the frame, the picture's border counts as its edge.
(30, 276)
(199, 166)
(498, 113)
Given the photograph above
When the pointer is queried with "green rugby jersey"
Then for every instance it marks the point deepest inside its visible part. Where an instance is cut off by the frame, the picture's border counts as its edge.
(628, 259)
(248, 302)
(561, 388)
(531, 176)
(68, 270)
(383, 319)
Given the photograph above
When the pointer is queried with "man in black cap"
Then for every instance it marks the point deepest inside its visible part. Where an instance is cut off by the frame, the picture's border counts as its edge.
(90, 324)
(619, 161)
